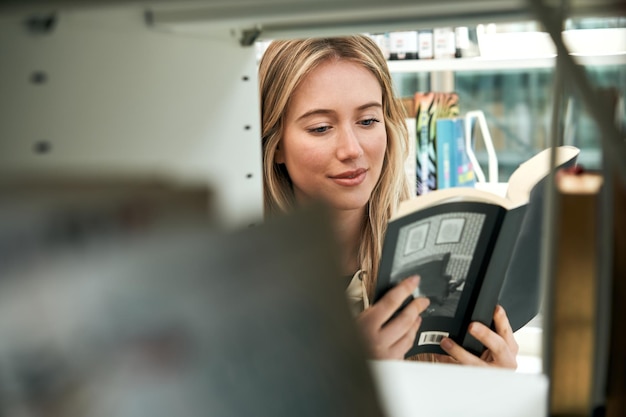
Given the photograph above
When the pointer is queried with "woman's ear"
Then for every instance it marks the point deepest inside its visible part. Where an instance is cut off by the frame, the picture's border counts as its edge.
(279, 157)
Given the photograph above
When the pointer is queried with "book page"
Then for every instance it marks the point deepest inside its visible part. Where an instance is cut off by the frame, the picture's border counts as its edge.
(521, 182)
(529, 173)
(440, 249)
(450, 195)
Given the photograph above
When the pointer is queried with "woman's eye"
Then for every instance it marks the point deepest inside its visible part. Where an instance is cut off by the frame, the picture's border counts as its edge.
(320, 129)
(369, 122)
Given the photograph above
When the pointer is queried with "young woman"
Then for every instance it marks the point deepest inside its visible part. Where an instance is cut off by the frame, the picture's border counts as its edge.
(332, 130)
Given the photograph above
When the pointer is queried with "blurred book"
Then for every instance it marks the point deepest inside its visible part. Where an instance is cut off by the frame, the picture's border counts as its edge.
(429, 107)
(41, 215)
(454, 169)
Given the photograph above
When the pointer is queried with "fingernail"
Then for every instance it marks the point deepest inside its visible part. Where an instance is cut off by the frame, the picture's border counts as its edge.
(446, 343)
(415, 280)
(474, 328)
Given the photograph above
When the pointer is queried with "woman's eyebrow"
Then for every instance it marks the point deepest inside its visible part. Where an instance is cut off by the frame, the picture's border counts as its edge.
(370, 104)
(315, 112)
(328, 111)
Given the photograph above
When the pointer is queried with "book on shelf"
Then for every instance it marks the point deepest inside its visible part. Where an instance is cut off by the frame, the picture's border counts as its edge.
(473, 249)
(429, 107)
(454, 168)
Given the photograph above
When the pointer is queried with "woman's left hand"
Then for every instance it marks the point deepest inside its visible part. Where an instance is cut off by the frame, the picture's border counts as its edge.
(501, 346)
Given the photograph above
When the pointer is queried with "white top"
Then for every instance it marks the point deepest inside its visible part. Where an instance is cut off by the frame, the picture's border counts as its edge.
(357, 294)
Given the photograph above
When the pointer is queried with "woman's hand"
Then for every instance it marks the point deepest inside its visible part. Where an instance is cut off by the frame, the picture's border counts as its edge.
(501, 345)
(392, 339)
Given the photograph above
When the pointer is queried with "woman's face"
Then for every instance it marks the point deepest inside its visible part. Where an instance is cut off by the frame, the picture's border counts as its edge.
(334, 136)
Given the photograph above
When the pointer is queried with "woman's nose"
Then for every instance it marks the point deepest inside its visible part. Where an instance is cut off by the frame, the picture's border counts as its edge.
(348, 145)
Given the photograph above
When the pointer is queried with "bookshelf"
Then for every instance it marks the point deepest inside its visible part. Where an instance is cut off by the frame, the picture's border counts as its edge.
(499, 64)
(513, 84)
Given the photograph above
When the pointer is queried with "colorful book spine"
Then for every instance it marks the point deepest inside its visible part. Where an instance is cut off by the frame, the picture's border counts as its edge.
(446, 144)
(454, 169)
(429, 108)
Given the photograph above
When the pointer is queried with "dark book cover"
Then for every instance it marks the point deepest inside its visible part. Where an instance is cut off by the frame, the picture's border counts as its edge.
(461, 251)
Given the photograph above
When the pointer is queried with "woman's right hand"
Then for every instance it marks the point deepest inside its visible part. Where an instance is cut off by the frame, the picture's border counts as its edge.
(392, 339)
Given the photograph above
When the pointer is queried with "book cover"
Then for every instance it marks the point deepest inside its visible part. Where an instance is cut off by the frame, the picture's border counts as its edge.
(429, 107)
(462, 242)
(454, 168)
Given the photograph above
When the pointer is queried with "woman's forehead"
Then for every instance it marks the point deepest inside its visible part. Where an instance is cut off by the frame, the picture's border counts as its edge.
(336, 83)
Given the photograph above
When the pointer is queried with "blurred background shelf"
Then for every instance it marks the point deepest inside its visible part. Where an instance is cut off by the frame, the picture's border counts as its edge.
(499, 64)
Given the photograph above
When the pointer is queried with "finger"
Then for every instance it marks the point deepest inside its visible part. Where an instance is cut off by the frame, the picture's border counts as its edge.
(406, 341)
(441, 358)
(407, 321)
(393, 299)
(499, 349)
(407, 317)
(389, 344)
(459, 354)
(503, 328)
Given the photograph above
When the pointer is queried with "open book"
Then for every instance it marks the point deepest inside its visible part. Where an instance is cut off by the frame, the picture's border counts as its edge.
(473, 250)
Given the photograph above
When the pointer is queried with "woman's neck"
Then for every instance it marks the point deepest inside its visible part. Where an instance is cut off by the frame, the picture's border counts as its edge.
(348, 226)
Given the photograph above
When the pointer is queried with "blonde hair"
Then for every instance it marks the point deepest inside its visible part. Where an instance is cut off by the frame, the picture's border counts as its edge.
(282, 68)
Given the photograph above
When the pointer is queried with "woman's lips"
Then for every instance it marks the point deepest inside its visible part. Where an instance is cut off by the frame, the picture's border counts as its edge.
(350, 178)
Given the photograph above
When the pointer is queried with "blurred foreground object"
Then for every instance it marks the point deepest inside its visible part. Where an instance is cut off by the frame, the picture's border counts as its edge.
(586, 356)
(616, 378)
(575, 294)
(41, 215)
(176, 318)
